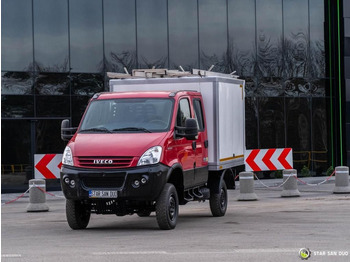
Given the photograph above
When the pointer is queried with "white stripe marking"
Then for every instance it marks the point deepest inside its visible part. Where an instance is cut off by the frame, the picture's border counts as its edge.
(246, 177)
(341, 172)
(11, 255)
(233, 251)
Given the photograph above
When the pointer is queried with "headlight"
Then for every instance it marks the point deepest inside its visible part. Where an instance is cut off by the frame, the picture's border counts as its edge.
(67, 158)
(151, 156)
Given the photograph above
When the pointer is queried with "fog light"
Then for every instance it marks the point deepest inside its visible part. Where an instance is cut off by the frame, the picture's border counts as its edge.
(72, 183)
(66, 180)
(136, 183)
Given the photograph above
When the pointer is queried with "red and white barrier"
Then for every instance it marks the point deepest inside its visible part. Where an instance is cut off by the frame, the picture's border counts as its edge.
(268, 159)
(47, 166)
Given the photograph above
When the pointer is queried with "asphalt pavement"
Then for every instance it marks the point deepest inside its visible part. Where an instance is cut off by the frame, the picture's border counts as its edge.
(269, 229)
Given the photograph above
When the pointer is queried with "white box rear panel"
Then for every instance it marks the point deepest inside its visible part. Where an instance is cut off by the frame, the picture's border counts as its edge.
(231, 123)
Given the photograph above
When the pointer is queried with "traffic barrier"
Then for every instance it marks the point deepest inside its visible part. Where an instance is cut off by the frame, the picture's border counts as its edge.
(318, 184)
(37, 197)
(257, 178)
(290, 187)
(246, 187)
(341, 180)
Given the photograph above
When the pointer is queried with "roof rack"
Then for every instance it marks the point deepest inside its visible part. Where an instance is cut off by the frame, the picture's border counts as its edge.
(166, 73)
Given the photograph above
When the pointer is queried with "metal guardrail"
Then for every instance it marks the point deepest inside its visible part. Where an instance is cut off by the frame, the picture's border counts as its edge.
(15, 168)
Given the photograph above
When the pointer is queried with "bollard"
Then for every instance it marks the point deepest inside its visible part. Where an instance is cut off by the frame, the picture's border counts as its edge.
(290, 187)
(341, 180)
(37, 197)
(246, 187)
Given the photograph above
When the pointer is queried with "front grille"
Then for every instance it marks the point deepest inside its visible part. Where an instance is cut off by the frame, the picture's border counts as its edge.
(105, 161)
(103, 181)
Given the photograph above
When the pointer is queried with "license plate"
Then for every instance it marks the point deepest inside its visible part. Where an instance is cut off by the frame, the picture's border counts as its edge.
(103, 194)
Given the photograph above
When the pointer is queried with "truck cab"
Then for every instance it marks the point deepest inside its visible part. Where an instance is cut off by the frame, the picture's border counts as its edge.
(139, 152)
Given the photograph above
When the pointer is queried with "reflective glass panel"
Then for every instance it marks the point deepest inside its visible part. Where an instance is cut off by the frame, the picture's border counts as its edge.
(152, 33)
(17, 106)
(48, 137)
(16, 35)
(51, 35)
(270, 86)
(16, 168)
(241, 25)
(79, 104)
(269, 35)
(52, 106)
(86, 84)
(183, 34)
(296, 38)
(298, 121)
(86, 37)
(348, 140)
(300, 87)
(250, 86)
(320, 136)
(271, 122)
(347, 46)
(317, 43)
(347, 67)
(251, 122)
(52, 84)
(213, 35)
(120, 35)
(16, 83)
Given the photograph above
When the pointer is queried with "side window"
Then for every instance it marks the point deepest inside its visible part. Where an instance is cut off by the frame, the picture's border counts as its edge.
(183, 112)
(197, 104)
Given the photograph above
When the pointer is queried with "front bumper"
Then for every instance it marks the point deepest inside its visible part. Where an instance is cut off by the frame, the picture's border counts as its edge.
(120, 180)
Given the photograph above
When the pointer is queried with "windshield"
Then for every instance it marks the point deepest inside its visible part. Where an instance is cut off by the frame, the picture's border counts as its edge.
(128, 115)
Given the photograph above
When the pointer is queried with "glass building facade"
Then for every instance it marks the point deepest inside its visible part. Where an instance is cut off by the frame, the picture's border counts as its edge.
(55, 55)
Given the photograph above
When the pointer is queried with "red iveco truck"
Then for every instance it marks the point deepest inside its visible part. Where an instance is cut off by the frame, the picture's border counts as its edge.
(153, 143)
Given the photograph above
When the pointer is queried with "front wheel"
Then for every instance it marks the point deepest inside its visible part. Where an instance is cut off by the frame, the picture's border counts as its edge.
(78, 214)
(167, 207)
(218, 202)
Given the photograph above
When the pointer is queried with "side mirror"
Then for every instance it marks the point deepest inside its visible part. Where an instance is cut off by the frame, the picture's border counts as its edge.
(67, 132)
(190, 131)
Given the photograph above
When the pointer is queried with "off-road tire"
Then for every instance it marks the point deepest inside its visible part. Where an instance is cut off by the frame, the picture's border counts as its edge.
(167, 208)
(78, 214)
(218, 202)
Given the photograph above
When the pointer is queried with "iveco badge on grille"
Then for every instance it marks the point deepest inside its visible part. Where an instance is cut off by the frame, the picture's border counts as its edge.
(103, 161)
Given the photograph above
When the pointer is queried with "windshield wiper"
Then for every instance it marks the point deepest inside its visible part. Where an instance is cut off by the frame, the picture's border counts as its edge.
(132, 129)
(96, 129)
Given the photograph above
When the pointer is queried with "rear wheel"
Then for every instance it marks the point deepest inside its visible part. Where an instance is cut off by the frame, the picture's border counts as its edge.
(218, 202)
(167, 208)
(78, 213)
